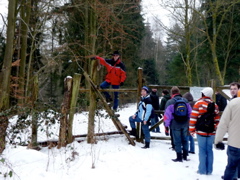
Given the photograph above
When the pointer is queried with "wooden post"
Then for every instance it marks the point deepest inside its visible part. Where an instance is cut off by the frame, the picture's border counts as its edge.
(74, 97)
(62, 142)
(140, 85)
(34, 96)
(92, 104)
(212, 84)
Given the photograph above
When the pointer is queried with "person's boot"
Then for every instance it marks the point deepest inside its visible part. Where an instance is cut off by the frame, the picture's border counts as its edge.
(133, 132)
(147, 145)
(179, 158)
(185, 154)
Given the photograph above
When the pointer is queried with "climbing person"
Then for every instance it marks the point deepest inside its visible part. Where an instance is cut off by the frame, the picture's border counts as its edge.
(115, 77)
(143, 115)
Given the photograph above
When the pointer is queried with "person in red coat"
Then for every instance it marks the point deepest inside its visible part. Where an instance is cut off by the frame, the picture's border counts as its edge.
(115, 77)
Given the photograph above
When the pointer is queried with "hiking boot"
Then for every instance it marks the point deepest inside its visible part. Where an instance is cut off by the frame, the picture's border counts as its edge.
(147, 145)
(179, 158)
(133, 132)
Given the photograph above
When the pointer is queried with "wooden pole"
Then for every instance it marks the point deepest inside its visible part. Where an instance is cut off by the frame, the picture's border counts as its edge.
(65, 112)
(34, 97)
(74, 97)
(140, 85)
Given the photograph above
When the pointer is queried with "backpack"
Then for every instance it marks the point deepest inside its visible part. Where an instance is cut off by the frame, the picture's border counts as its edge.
(152, 115)
(180, 113)
(206, 122)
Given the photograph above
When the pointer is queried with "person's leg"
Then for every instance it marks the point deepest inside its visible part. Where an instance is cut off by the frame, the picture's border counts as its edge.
(116, 100)
(209, 163)
(105, 85)
(184, 140)
(132, 121)
(156, 121)
(202, 169)
(233, 161)
(177, 144)
(191, 144)
(172, 140)
(153, 123)
(146, 133)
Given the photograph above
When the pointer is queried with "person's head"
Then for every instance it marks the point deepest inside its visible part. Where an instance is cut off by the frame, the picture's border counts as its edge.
(175, 90)
(234, 86)
(165, 92)
(154, 90)
(116, 55)
(208, 92)
(144, 91)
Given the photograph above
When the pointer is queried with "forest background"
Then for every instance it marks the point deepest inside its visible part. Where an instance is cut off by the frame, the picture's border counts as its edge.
(43, 42)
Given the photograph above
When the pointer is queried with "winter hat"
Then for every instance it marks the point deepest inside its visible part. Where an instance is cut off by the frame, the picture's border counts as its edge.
(208, 91)
(115, 53)
(145, 88)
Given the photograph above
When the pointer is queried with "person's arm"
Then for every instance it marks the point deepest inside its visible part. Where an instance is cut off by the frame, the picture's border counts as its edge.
(222, 127)
(193, 118)
(147, 113)
(168, 115)
(123, 75)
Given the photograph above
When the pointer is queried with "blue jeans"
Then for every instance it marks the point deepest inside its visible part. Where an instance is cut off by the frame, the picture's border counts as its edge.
(191, 144)
(105, 85)
(233, 162)
(205, 145)
(153, 122)
(145, 128)
(180, 139)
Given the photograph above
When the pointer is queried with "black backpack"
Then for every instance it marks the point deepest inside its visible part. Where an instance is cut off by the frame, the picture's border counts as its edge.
(206, 122)
(180, 113)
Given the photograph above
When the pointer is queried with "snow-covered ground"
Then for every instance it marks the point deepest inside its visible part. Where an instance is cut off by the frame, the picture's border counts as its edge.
(110, 158)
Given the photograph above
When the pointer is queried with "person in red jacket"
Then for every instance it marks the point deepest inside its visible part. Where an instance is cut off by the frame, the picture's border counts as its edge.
(205, 139)
(116, 75)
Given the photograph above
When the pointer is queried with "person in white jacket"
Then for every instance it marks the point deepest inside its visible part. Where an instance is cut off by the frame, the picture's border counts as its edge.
(230, 123)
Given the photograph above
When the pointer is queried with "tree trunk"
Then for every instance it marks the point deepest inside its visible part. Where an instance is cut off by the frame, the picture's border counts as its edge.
(7, 62)
(25, 16)
(6, 72)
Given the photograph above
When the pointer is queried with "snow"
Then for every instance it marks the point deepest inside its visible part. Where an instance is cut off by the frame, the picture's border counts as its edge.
(112, 157)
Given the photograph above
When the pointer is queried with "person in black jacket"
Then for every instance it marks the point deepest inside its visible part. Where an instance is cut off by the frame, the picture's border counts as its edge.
(155, 103)
(166, 97)
(221, 101)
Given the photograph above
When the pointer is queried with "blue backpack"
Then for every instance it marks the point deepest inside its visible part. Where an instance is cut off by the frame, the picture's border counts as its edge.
(180, 113)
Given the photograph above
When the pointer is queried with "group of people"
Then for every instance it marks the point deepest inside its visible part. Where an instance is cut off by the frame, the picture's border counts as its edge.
(184, 125)
(184, 131)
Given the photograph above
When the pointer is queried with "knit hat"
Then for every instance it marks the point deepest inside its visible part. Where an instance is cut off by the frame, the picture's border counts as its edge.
(208, 91)
(145, 88)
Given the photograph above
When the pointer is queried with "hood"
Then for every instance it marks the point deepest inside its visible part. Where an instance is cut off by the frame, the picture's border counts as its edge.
(188, 96)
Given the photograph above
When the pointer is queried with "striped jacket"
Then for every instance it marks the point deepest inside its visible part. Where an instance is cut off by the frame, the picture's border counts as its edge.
(199, 108)
(115, 70)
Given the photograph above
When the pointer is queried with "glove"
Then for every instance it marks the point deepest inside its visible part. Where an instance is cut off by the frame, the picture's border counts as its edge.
(121, 84)
(93, 58)
(167, 131)
(220, 146)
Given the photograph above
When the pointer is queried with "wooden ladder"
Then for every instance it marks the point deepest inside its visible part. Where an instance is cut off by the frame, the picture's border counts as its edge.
(110, 112)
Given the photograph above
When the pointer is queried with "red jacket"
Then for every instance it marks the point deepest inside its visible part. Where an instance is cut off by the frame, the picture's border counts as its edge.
(115, 70)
